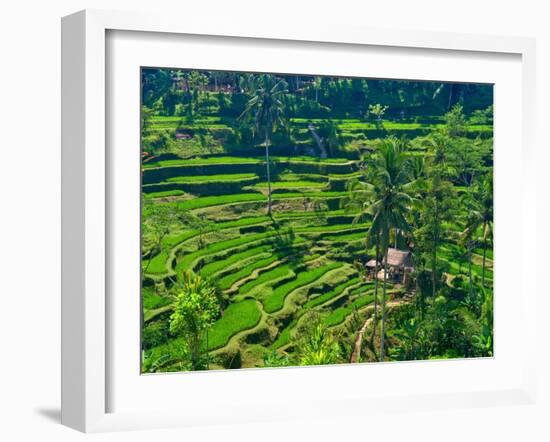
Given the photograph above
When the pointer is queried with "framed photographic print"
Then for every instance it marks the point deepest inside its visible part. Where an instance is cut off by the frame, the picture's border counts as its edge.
(291, 212)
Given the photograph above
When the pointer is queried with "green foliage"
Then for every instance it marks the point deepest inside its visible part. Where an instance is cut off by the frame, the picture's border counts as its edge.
(275, 359)
(152, 300)
(318, 346)
(455, 121)
(482, 116)
(194, 313)
(154, 334)
(377, 111)
(266, 107)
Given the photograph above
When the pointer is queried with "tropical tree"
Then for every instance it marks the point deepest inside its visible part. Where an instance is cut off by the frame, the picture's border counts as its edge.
(455, 121)
(438, 200)
(407, 333)
(417, 168)
(318, 347)
(316, 84)
(390, 208)
(361, 195)
(468, 241)
(330, 136)
(195, 311)
(267, 109)
(378, 111)
(480, 217)
(386, 200)
(483, 341)
(158, 223)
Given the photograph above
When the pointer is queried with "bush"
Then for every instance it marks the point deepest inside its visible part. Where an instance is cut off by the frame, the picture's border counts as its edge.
(154, 334)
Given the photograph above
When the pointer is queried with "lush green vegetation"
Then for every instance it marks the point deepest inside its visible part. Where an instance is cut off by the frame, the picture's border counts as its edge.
(275, 209)
(237, 317)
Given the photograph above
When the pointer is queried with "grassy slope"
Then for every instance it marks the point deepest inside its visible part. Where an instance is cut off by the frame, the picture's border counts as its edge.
(233, 259)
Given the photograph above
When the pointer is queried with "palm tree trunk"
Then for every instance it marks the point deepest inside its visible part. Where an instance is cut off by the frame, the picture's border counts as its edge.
(483, 264)
(470, 269)
(434, 265)
(418, 292)
(189, 98)
(384, 307)
(207, 360)
(450, 97)
(374, 319)
(268, 173)
(195, 342)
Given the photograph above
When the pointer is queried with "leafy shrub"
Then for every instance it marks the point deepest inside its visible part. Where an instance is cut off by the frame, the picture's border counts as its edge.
(154, 334)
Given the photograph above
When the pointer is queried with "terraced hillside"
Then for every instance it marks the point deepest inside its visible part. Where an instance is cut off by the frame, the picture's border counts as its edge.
(264, 188)
(270, 271)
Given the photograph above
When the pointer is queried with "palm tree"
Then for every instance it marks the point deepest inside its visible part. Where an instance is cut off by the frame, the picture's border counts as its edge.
(467, 236)
(316, 84)
(387, 200)
(390, 209)
(438, 199)
(361, 195)
(267, 108)
(480, 216)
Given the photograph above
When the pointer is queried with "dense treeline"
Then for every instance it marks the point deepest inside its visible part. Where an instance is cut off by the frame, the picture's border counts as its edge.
(170, 91)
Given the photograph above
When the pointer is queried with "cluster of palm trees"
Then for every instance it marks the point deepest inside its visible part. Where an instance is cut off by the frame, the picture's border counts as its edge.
(410, 197)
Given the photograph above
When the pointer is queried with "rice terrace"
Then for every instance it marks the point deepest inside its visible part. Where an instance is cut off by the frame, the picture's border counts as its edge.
(293, 220)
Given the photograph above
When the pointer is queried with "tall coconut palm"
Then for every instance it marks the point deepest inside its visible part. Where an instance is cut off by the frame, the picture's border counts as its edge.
(468, 237)
(267, 109)
(390, 208)
(438, 198)
(480, 217)
(387, 201)
(361, 195)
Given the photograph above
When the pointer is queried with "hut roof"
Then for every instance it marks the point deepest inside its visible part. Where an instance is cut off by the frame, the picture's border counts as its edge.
(399, 258)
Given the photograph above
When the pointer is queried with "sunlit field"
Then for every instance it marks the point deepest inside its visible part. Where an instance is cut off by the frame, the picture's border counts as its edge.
(298, 220)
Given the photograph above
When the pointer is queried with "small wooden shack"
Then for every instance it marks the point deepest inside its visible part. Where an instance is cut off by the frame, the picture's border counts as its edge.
(399, 266)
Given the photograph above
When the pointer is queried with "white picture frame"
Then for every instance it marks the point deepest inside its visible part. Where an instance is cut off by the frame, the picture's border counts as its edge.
(85, 235)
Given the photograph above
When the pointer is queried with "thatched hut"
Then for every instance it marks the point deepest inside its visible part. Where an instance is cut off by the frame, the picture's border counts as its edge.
(399, 266)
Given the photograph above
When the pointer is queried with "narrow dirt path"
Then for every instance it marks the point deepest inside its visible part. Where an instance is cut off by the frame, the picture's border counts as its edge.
(359, 337)
(359, 340)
